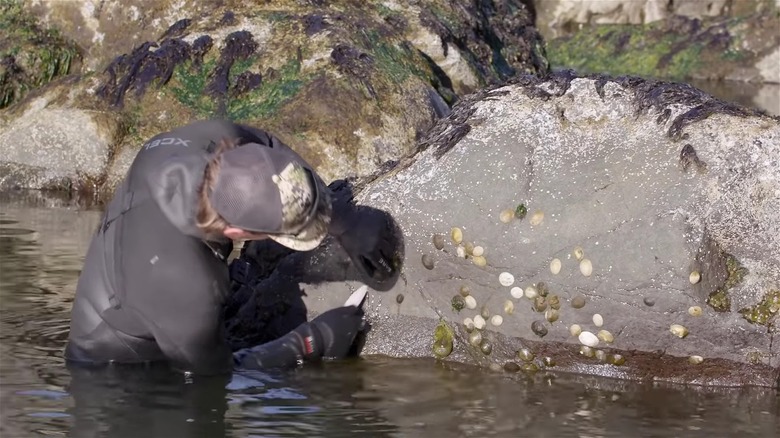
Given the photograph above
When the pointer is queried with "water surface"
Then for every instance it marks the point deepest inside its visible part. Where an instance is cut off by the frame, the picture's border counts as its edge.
(41, 250)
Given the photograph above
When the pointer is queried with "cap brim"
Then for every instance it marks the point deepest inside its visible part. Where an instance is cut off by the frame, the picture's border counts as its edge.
(314, 235)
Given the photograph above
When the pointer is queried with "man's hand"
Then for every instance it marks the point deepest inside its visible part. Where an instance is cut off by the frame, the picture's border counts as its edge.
(338, 328)
(368, 237)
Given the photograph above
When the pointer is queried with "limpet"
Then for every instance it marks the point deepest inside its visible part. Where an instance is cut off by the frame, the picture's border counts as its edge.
(478, 251)
(486, 346)
(470, 301)
(601, 355)
(548, 361)
(578, 302)
(479, 322)
(598, 320)
(530, 367)
(536, 218)
(475, 338)
(586, 351)
(460, 251)
(506, 279)
(605, 336)
(438, 241)
(468, 324)
(479, 261)
(521, 211)
(554, 302)
(555, 266)
(649, 302)
(496, 320)
(484, 312)
(469, 248)
(531, 292)
(427, 261)
(509, 307)
(694, 311)
(458, 303)
(695, 277)
(516, 292)
(538, 328)
(399, 298)
(456, 234)
(617, 359)
(506, 216)
(575, 329)
(541, 287)
(578, 253)
(678, 330)
(465, 290)
(511, 367)
(551, 315)
(540, 304)
(586, 267)
(525, 355)
(695, 360)
(587, 338)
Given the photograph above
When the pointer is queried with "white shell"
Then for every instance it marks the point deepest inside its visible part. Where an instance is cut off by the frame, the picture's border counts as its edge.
(477, 251)
(694, 311)
(578, 253)
(468, 323)
(516, 292)
(496, 320)
(531, 292)
(537, 218)
(479, 322)
(471, 302)
(575, 329)
(598, 320)
(555, 266)
(586, 267)
(694, 277)
(461, 251)
(588, 339)
(695, 360)
(506, 279)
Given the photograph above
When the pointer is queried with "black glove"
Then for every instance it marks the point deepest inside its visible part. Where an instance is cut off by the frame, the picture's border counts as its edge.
(369, 238)
(337, 329)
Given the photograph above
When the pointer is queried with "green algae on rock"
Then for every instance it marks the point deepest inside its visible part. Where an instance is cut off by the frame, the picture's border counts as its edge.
(676, 48)
(763, 312)
(30, 55)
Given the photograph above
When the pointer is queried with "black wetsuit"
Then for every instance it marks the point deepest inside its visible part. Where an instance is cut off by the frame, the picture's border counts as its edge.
(151, 288)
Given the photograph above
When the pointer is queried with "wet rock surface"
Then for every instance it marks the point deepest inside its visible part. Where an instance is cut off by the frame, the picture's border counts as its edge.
(351, 87)
(648, 181)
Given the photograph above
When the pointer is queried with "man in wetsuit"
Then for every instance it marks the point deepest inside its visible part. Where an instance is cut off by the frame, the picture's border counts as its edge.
(155, 276)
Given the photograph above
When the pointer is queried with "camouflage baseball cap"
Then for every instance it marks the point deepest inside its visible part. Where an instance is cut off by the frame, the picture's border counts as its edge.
(272, 190)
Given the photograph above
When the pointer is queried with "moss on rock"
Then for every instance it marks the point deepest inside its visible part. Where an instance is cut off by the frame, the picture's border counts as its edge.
(676, 48)
(763, 312)
(30, 55)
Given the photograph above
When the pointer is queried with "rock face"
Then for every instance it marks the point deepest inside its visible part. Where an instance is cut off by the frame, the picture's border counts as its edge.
(560, 17)
(349, 86)
(743, 48)
(647, 181)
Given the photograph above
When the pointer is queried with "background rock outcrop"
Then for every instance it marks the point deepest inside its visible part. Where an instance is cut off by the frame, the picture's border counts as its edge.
(349, 86)
(671, 195)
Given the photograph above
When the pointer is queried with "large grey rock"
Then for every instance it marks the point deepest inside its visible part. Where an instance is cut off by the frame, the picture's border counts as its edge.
(652, 180)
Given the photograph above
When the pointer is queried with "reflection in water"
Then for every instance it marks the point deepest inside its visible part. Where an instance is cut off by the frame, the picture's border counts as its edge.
(40, 254)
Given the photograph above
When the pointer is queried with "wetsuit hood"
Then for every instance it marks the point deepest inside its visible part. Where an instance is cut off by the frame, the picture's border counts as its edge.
(175, 190)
